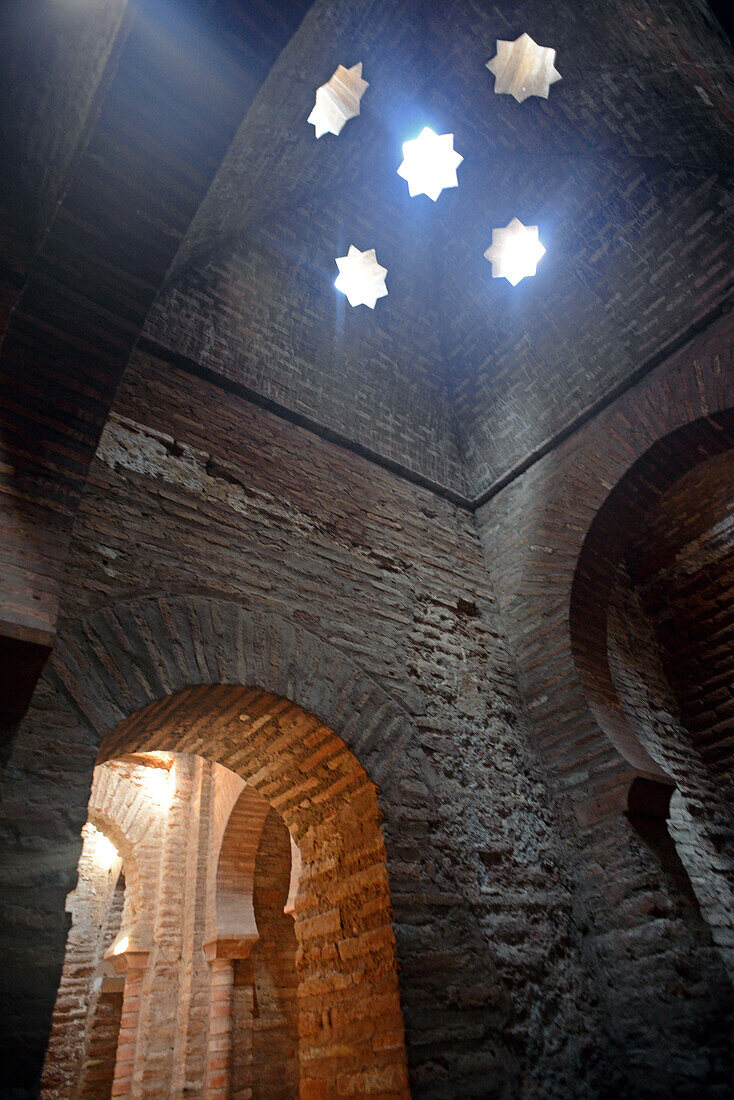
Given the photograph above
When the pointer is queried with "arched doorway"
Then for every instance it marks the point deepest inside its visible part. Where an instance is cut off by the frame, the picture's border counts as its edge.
(611, 534)
(652, 627)
(276, 892)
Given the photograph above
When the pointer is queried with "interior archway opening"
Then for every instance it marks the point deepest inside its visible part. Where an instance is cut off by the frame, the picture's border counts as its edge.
(254, 954)
(652, 619)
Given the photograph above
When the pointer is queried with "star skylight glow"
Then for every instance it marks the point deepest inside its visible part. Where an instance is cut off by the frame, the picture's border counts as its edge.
(429, 163)
(523, 68)
(360, 277)
(338, 100)
(515, 251)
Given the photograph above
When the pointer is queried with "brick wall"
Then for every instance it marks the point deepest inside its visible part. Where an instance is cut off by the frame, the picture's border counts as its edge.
(98, 1071)
(376, 378)
(232, 917)
(620, 169)
(110, 144)
(563, 533)
(672, 607)
(394, 578)
(83, 1039)
(654, 963)
(699, 818)
(84, 1036)
(554, 566)
(624, 168)
(218, 544)
(330, 977)
(103, 1029)
(348, 1011)
(691, 602)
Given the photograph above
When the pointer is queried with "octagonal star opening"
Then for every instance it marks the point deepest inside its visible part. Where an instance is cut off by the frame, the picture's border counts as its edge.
(338, 100)
(523, 68)
(360, 277)
(515, 251)
(429, 163)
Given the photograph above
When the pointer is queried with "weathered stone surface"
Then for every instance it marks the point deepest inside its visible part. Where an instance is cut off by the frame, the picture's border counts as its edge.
(363, 599)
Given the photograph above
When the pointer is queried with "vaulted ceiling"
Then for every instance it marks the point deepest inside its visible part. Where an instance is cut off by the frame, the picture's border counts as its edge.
(161, 169)
(627, 169)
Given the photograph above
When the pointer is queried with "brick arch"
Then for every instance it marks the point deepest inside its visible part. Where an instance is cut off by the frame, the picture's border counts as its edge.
(348, 1002)
(129, 863)
(542, 519)
(233, 918)
(116, 812)
(147, 651)
(126, 819)
(129, 654)
(620, 516)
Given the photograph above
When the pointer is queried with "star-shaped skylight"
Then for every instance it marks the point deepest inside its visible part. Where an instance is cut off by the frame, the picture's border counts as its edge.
(515, 251)
(429, 163)
(360, 277)
(523, 68)
(338, 100)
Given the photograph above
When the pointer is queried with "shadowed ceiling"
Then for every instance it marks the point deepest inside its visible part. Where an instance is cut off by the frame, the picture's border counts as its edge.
(627, 169)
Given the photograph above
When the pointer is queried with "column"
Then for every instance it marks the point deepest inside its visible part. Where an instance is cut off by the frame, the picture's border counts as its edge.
(132, 964)
(219, 1048)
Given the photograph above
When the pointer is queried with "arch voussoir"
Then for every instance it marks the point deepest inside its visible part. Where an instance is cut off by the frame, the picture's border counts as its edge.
(128, 655)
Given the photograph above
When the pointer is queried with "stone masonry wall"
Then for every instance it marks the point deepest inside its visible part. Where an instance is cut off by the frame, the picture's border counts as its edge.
(692, 606)
(533, 534)
(674, 606)
(196, 491)
(394, 577)
(699, 817)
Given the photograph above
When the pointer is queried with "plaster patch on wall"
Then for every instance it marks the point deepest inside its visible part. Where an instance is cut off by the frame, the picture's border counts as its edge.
(138, 449)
